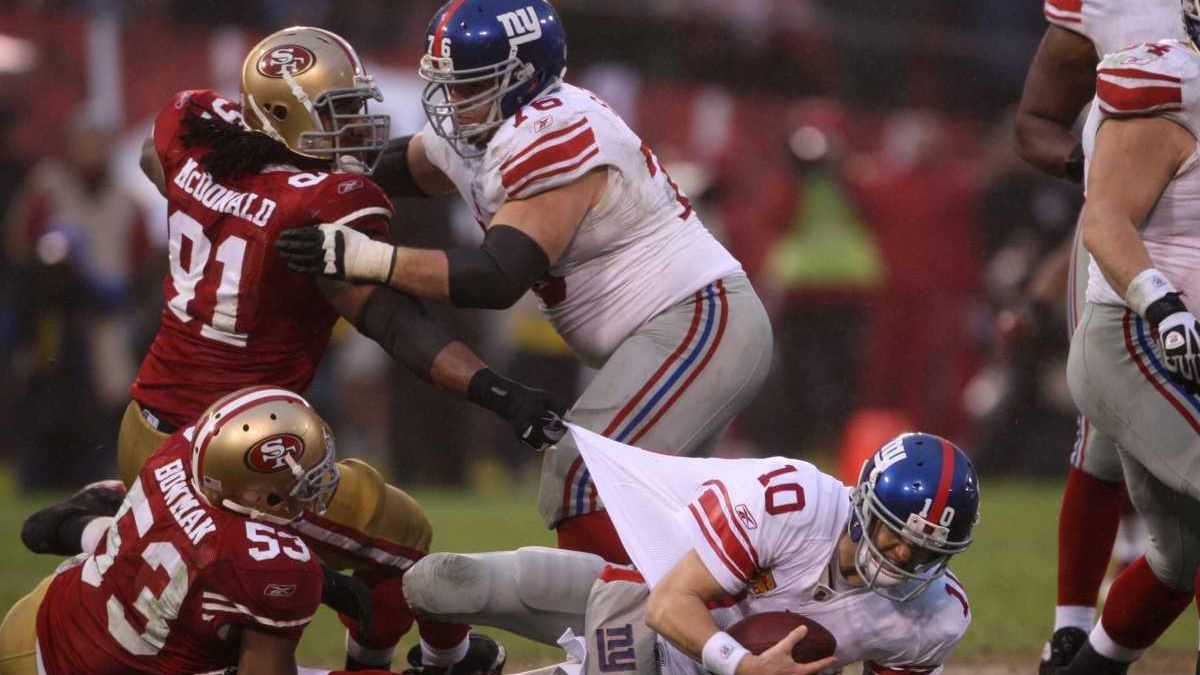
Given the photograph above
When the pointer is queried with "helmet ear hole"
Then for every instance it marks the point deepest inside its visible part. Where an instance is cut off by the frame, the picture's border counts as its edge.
(274, 499)
(279, 112)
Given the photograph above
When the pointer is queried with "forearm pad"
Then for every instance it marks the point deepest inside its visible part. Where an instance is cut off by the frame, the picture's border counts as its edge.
(393, 173)
(402, 326)
(496, 274)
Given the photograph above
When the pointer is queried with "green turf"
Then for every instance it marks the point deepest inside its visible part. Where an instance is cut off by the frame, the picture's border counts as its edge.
(1009, 571)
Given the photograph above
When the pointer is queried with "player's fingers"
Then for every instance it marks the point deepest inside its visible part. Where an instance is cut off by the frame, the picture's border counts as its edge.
(792, 638)
(815, 666)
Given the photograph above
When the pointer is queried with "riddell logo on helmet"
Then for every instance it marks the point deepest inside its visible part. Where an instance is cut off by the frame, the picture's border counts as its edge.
(292, 59)
(269, 456)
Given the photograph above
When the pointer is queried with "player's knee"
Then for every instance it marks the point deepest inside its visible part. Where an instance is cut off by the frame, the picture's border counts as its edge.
(365, 503)
(1175, 569)
(448, 583)
(551, 579)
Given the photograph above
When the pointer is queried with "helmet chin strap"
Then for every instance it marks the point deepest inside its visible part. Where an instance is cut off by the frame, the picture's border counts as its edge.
(255, 514)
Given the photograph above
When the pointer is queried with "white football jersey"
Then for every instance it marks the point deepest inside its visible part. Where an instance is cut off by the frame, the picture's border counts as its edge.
(639, 251)
(1112, 25)
(767, 530)
(1158, 78)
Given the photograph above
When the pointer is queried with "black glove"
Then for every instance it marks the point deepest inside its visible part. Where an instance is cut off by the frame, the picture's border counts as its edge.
(1178, 339)
(535, 414)
(347, 595)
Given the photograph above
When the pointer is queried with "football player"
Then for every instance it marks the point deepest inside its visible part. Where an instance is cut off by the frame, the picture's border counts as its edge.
(716, 540)
(1060, 82)
(1134, 364)
(199, 569)
(294, 152)
(576, 207)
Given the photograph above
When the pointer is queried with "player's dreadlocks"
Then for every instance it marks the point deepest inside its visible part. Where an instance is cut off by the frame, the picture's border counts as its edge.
(235, 151)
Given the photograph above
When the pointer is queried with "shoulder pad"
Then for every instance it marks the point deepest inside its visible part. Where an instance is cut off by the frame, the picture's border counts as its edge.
(345, 198)
(1145, 79)
(548, 143)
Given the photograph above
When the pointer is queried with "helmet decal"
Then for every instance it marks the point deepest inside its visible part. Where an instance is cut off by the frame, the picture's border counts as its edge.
(290, 59)
(521, 25)
(271, 454)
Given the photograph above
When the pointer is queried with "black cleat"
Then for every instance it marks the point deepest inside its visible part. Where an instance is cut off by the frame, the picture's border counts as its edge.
(56, 529)
(1088, 662)
(484, 656)
(1061, 649)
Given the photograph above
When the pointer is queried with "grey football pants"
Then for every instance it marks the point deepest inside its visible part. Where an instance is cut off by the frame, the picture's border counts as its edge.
(1118, 382)
(671, 387)
(539, 593)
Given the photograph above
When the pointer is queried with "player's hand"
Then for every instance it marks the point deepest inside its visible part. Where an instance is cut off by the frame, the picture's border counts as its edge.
(349, 596)
(1179, 341)
(337, 252)
(534, 414)
(778, 659)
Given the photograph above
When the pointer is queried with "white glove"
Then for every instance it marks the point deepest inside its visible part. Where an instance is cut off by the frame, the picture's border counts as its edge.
(337, 252)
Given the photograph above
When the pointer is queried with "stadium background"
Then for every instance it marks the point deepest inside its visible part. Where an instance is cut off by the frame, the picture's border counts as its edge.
(855, 156)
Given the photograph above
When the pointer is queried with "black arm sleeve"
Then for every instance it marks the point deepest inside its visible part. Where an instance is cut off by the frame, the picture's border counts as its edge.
(496, 274)
(393, 173)
(402, 326)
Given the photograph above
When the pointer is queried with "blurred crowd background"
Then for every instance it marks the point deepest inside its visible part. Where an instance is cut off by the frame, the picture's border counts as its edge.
(856, 157)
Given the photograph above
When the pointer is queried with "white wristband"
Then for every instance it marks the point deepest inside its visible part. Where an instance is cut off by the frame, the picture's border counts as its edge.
(722, 653)
(1149, 285)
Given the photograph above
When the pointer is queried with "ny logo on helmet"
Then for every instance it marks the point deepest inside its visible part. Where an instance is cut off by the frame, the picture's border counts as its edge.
(521, 25)
(890, 454)
(290, 59)
(270, 455)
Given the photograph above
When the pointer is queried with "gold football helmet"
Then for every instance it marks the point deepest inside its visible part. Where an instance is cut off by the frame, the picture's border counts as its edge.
(265, 453)
(305, 87)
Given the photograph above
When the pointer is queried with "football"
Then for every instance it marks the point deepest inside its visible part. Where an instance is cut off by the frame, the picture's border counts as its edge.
(760, 632)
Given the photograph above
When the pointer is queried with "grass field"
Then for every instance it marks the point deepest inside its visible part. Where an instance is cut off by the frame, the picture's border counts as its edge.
(1009, 572)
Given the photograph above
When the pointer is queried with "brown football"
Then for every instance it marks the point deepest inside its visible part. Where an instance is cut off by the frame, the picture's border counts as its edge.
(760, 632)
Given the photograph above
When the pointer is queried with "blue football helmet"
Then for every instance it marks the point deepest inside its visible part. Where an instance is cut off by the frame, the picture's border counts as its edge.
(485, 59)
(924, 489)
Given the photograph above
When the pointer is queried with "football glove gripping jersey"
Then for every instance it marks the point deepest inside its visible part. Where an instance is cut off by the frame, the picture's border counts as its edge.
(534, 414)
(337, 252)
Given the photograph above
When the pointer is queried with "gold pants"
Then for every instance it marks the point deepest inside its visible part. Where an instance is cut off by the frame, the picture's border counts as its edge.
(18, 633)
(364, 504)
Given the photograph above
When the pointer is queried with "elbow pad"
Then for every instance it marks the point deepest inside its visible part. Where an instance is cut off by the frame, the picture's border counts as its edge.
(402, 326)
(496, 274)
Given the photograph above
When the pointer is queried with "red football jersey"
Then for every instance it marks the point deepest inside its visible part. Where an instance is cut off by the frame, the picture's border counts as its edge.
(235, 316)
(175, 575)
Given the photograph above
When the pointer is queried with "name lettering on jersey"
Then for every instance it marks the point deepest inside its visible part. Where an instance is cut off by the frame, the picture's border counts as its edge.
(212, 195)
(889, 454)
(183, 504)
(521, 25)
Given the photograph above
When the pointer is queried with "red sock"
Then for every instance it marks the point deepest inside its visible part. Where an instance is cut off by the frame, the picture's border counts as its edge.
(391, 618)
(442, 635)
(1087, 527)
(1140, 608)
(592, 533)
